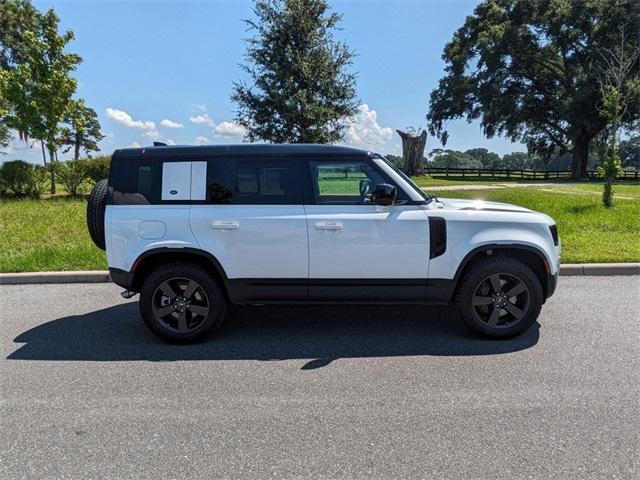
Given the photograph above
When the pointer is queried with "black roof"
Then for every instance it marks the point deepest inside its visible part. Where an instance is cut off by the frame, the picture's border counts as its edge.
(241, 149)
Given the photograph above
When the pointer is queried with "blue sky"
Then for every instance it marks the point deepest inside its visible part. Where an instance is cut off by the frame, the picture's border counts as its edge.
(159, 70)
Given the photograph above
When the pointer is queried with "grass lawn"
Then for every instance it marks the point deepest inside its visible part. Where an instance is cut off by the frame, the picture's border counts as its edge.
(51, 234)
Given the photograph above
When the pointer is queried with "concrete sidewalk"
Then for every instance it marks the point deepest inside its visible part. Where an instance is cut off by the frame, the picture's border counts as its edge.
(102, 276)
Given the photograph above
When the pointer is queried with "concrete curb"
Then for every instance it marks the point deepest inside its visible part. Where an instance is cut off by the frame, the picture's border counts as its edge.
(28, 278)
(102, 276)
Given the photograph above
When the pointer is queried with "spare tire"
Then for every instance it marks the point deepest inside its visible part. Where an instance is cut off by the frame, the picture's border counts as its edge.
(95, 212)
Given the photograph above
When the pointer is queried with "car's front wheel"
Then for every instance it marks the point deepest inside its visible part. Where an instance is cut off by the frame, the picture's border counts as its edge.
(182, 302)
(499, 297)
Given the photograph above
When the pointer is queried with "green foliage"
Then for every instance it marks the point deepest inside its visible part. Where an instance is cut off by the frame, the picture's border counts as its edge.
(528, 69)
(39, 87)
(20, 178)
(73, 175)
(98, 168)
(37, 180)
(453, 159)
(301, 90)
(630, 152)
(16, 18)
(15, 176)
(83, 130)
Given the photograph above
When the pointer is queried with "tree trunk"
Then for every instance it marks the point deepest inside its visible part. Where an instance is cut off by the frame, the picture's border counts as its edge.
(580, 156)
(53, 171)
(44, 155)
(413, 152)
(76, 151)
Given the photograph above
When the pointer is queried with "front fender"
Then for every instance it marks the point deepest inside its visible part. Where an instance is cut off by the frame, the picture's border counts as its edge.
(466, 237)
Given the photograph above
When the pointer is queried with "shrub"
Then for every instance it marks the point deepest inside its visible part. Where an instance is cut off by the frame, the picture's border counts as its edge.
(98, 168)
(73, 175)
(15, 176)
(38, 180)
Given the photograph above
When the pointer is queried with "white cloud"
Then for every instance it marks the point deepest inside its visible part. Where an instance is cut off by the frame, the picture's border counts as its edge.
(202, 141)
(168, 141)
(152, 134)
(125, 119)
(202, 119)
(229, 130)
(170, 124)
(134, 145)
(200, 107)
(364, 131)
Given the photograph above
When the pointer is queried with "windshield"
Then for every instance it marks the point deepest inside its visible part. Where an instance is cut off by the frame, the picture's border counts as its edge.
(406, 178)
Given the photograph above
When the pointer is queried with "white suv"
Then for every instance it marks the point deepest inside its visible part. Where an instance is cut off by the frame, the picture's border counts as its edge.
(195, 229)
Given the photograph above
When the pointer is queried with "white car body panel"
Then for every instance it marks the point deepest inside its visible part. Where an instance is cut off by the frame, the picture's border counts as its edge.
(124, 242)
(472, 224)
(254, 241)
(367, 241)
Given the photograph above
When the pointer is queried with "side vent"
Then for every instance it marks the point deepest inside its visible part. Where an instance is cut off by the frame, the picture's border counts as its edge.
(437, 236)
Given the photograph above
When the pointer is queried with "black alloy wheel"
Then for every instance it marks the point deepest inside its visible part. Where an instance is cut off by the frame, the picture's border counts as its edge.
(181, 304)
(501, 300)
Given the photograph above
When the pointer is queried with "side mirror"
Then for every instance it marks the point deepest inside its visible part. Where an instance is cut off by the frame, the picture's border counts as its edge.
(384, 195)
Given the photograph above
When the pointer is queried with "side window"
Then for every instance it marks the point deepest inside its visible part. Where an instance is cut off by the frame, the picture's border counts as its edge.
(219, 181)
(135, 181)
(267, 182)
(344, 182)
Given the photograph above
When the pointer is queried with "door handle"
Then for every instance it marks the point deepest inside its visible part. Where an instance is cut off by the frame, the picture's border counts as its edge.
(225, 225)
(328, 225)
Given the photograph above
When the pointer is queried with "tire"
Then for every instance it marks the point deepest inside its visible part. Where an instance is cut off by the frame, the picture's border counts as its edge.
(479, 293)
(96, 206)
(166, 314)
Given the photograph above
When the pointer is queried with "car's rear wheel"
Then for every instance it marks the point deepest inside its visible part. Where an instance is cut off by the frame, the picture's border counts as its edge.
(182, 302)
(499, 297)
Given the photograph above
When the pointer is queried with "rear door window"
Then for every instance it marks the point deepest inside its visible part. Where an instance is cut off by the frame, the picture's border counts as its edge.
(267, 181)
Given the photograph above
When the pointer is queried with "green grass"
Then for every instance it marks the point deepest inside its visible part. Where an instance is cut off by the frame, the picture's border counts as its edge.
(51, 234)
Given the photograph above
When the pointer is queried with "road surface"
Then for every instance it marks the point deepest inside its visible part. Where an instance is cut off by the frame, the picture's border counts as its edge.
(319, 392)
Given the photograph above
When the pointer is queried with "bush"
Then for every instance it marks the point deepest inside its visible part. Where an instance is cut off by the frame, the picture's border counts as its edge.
(73, 175)
(98, 168)
(15, 176)
(38, 180)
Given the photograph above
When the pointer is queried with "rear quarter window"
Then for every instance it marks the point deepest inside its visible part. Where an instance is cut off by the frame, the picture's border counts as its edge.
(134, 181)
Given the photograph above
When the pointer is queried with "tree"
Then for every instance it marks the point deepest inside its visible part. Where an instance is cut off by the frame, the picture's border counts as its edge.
(83, 131)
(16, 17)
(452, 159)
(630, 152)
(413, 150)
(528, 70)
(619, 88)
(302, 91)
(39, 91)
(486, 158)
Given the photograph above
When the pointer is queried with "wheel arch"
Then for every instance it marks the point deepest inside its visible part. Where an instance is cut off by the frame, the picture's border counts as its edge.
(532, 257)
(151, 259)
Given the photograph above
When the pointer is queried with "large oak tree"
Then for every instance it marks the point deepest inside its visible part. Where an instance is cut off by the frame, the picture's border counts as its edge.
(528, 69)
(300, 88)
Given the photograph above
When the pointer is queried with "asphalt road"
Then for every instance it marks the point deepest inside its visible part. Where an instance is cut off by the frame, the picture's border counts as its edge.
(318, 392)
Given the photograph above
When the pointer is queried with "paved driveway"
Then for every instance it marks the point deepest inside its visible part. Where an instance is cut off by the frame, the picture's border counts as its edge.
(319, 392)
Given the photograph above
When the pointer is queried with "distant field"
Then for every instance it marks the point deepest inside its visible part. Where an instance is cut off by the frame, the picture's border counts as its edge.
(51, 234)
